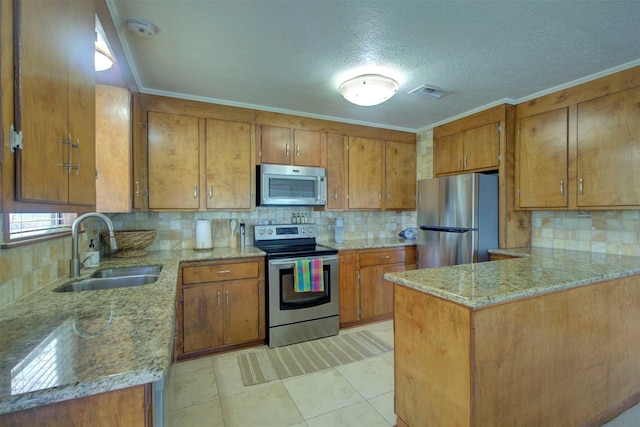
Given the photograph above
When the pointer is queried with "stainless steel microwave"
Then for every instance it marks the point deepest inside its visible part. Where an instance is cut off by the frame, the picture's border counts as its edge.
(281, 185)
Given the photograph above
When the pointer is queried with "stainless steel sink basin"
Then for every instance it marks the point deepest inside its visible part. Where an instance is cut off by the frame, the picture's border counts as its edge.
(114, 278)
(129, 271)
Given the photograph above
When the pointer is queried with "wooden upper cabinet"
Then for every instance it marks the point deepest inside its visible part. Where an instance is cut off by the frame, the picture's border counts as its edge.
(366, 173)
(275, 145)
(447, 154)
(337, 171)
(307, 148)
(173, 156)
(476, 149)
(113, 149)
(400, 175)
(482, 148)
(230, 165)
(542, 160)
(55, 48)
(609, 150)
(286, 147)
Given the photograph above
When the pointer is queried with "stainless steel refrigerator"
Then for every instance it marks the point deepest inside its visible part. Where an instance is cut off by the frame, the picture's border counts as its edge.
(457, 219)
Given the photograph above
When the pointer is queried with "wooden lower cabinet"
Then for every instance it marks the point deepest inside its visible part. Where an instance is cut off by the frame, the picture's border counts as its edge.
(500, 257)
(566, 358)
(120, 408)
(365, 295)
(221, 304)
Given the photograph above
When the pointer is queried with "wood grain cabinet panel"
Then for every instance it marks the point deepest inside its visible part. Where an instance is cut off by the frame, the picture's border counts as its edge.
(400, 176)
(609, 150)
(347, 287)
(307, 148)
(542, 169)
(221, 304)
(366, 173)
(337, 171)
(57, 107)
(285, 146)
(174, 146)
(447, 154)
(476, 149)
(230, 165)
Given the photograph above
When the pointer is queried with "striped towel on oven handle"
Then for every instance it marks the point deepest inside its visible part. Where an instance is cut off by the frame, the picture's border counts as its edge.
(316, 274)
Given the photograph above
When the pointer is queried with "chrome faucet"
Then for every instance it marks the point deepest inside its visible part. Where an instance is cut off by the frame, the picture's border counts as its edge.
(75, 264)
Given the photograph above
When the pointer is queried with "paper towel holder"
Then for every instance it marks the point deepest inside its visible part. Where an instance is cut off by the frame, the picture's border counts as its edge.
(203, 235)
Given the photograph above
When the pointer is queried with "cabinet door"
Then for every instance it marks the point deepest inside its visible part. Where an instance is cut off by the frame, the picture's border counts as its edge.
(275, 145)
(542, 160)
(241, 309)
(336, 171)
(376, 293)
(365, 173)
(57, 106)
(609, 150)
(202, 311)
(82, 101)
(400, 176)
(113, 147)
(307, 148)
(173, 151)
(447, 154)
(347, 287)
(481, 148)
(230, 165)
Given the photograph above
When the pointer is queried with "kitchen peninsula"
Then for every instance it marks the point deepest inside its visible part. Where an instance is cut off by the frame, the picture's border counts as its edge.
(552, 338)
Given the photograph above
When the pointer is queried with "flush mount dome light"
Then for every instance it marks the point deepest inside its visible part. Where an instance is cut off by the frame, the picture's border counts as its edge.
(368, 89)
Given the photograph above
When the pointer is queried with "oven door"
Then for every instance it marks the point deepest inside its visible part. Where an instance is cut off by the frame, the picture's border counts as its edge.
(288, 306)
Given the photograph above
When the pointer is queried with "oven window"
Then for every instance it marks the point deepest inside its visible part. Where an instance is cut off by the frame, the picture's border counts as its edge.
(292, 188)
(291, 300)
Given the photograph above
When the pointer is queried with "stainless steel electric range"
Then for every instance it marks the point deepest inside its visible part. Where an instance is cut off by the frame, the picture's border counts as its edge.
(293, 316)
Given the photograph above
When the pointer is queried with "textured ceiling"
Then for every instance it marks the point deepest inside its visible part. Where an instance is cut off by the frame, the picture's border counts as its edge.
(290, 56)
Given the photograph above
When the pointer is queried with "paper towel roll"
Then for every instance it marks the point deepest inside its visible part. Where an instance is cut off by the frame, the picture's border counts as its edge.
(203, 234)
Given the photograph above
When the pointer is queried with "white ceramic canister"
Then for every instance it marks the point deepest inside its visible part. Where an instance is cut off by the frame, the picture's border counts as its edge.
(339, 232)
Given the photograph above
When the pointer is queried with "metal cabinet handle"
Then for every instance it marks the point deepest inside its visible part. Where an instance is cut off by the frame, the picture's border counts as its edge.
(388, 196)
(218, 298)
(465, 160)
(211, 191)
(580, 187)
(286, 150)
(297, 151)
(335, 195)
(77, 168)
(458, 162)
(227, 297)
(385, 257)
(195, 191)
(380, 195)
(137, 188)
(69, 165)
(223, 271)
(562, 188)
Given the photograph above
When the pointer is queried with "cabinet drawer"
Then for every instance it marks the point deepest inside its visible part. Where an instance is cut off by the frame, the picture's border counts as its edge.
(382, 257)
(220, 272)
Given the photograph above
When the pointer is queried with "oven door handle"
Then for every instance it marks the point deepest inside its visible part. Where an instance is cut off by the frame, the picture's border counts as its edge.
(290, 262)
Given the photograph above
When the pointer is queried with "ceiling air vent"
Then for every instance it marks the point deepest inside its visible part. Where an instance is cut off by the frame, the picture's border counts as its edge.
(430, 91)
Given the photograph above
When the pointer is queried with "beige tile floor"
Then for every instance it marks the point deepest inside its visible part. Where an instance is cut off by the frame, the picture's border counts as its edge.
(209, 392)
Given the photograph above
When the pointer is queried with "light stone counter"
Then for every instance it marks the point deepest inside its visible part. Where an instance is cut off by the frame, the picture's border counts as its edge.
(539, 271)
(371, 243)
(58, 346)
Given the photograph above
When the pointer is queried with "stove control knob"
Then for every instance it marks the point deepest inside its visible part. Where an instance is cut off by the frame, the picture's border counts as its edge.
(261, 232)
(269, 231)
(302, 230)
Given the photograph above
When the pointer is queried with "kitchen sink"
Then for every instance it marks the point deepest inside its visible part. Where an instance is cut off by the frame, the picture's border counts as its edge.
(129, 271)
(114, 278)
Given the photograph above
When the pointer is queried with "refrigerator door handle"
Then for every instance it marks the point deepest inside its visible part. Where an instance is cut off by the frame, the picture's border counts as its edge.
(447, 229)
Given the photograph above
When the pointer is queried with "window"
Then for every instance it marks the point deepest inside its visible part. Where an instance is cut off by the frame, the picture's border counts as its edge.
(31, 225)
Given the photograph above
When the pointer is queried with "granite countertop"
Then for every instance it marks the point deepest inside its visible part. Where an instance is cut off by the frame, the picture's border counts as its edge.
(537, 271)
(58, 346)
(371, 243)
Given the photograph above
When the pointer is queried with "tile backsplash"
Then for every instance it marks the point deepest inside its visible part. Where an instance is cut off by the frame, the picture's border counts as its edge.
(611, 232)
(24, 269)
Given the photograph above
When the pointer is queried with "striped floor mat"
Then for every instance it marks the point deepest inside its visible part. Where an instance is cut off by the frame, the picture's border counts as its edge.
(297, 359)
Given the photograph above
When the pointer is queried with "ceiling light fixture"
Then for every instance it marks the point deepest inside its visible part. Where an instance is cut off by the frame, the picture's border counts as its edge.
(368, 89)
